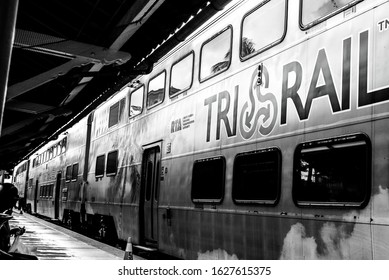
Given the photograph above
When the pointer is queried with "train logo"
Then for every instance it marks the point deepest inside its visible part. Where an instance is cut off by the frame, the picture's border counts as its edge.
(259, 79)
(265, 115)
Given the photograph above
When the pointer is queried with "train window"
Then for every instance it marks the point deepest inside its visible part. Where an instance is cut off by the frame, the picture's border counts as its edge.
(100, 166)
(75, 172)
(257, 177)
(156, 90)
(314, 12)
(68, 174)
(215, 55)
(181, 75)
(333, 172)
(112, 163)
(115, 112)
(255, 36)
(63, 146)
(136, 101)
(208, 180)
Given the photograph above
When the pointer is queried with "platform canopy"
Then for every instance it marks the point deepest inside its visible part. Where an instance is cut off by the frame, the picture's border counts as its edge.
(68, 56)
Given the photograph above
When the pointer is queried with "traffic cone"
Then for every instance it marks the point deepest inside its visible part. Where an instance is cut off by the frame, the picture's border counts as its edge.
(128, 253)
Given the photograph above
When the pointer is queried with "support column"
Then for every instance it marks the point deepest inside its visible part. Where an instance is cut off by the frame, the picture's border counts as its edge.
(8, 13)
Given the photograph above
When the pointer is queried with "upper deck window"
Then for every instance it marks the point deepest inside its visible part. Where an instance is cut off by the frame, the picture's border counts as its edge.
(216, 54)
(115, 112)
(136, 101)
(181, 75)
(333, 172)
(255, 34)
(313, 12)
(156, 91)
(63, 144)
(55, 150)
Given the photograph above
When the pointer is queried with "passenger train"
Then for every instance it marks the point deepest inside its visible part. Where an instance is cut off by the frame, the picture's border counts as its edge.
(263, 136)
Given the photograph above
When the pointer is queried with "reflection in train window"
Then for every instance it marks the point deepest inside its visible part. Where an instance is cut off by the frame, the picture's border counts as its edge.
(68, 174)
(255, 35)
(112, 163)
(100, 165)
(216, 54)
(181, 75)
(257, 177)
(116, 112)
(313, 12)
(136, 102)
(156, 90)
(208, 180)
(333, 172)
(75, 171)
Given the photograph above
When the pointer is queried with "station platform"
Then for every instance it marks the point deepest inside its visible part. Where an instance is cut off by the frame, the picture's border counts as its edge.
(49, 241)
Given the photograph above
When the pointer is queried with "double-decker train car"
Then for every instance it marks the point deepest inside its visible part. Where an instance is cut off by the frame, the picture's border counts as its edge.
(20, 179)
(262, 136)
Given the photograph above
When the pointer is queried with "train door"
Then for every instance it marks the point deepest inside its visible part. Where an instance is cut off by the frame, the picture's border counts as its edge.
(57, 192)
(36, 197)
(150, 185)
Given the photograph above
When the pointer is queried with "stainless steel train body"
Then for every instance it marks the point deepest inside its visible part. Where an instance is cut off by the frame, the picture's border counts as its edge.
(20, 180)
(263, 135)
